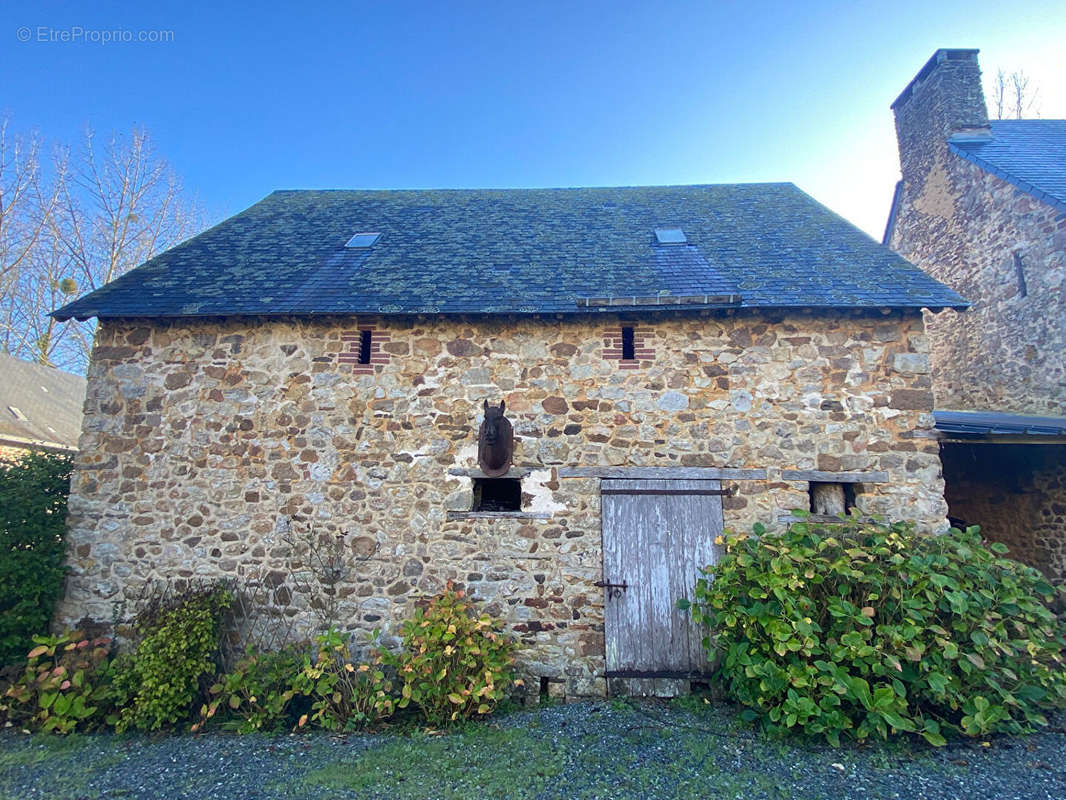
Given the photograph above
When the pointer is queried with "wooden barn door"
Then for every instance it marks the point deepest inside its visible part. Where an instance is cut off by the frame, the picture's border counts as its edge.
(657, 534)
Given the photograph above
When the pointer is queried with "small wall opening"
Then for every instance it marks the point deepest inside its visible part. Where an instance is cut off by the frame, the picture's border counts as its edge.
(497, 494)
(1019, 273)
(830, 499)
(629, 352)
(364, 346)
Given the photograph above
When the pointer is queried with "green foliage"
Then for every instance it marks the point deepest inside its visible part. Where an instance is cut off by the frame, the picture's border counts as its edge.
(159, 683)
(454, 665)
(271, 690)
(257, 694)
(344, 696)
(862, 628)
(33, 512)
(66, 685)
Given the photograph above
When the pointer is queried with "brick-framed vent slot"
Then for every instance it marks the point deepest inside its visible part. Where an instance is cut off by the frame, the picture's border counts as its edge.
(362, 349)
(830, 499)
(366, 339)
(497, 494)
(629, 345)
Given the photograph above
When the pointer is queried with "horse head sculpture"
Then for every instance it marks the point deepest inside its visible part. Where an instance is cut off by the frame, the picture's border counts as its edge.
(495, 442)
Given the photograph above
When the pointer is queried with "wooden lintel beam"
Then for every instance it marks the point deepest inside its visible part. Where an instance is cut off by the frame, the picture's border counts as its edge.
(665, 473)
(824, 476)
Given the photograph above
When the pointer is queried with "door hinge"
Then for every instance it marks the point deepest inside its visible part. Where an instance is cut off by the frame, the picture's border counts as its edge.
(614, 590)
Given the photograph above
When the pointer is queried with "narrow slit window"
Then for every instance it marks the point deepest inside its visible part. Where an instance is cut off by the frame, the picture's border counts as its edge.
(365, 338)
(628, 349)
(1019, 272)
(497, 494)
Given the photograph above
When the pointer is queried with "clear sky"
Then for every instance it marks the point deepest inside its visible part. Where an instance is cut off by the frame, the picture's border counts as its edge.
(246, 98)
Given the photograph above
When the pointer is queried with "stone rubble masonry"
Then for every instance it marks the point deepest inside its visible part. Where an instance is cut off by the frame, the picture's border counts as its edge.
(1024, 509)
(964, 226)
(203, 440)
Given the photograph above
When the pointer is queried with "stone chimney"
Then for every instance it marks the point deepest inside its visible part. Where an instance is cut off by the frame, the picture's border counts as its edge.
(945, 99)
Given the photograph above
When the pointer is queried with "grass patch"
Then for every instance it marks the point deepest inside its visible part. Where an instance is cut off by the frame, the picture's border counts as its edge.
(476, 762)
(67, 759)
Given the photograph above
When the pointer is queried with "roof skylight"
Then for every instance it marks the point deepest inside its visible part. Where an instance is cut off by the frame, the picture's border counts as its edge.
(670, 236)
(363, 240)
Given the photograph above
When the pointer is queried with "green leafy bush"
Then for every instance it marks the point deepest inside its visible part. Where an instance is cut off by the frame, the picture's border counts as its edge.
(287, 688)
(66, 685)
(862, 628)
(257, 694)
(159, 683)
(454, 665)
(344, 696)
(33, 512)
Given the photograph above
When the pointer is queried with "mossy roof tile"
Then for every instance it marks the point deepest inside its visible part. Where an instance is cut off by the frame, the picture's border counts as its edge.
(517, 251)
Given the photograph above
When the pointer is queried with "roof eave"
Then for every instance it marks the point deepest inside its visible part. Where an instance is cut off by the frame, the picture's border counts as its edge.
(576, 311)
(1003, 175)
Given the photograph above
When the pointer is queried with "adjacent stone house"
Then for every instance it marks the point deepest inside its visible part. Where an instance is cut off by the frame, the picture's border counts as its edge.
(40, 408)
(982, 207)
(672, 359)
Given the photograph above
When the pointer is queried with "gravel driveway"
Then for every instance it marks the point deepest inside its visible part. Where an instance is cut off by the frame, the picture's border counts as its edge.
(587, 750)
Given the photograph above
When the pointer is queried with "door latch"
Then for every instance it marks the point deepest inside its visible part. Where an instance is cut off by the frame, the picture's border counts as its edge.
(614, 590)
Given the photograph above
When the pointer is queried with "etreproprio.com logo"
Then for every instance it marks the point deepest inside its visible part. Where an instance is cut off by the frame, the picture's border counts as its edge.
(76, 34)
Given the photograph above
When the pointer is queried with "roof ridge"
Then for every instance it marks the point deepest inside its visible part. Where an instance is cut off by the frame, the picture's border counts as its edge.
(394, 190)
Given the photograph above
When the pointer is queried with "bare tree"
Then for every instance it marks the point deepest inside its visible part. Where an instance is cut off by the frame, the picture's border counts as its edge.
(25, 208)
(99, 212)
(1011, 96)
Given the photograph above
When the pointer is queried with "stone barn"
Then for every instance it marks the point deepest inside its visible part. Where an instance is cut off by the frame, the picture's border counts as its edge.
(982, 207)
(672, 360)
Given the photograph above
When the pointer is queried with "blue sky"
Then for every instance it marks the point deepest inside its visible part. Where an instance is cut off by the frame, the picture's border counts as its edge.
(506, 94)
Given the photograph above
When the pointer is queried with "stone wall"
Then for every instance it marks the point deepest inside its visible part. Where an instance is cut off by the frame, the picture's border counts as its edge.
(1017, 494)
(998, 246)
(204, 440)
(1005, 251)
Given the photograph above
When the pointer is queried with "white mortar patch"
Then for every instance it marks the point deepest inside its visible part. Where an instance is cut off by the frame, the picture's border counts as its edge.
(543, 498)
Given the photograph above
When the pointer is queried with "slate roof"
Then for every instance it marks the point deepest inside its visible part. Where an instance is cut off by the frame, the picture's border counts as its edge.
(39, 405)
(988, 423)
(1028, 153)
(519, 251)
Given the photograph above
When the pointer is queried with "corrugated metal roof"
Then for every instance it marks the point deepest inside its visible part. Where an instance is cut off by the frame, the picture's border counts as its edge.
(994, 423)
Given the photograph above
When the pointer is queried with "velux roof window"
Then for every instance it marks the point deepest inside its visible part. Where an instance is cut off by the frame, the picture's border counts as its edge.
(363, 240)
(670, 236)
